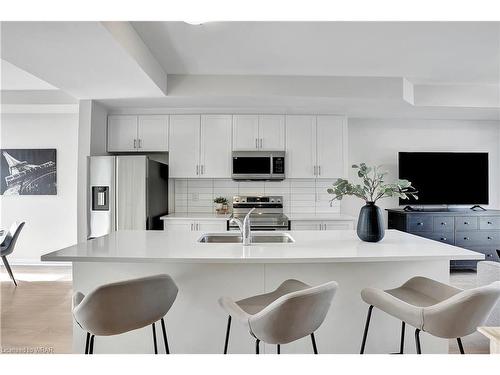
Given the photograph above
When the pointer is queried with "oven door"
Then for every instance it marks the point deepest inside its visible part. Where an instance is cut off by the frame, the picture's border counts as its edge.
(251, 166)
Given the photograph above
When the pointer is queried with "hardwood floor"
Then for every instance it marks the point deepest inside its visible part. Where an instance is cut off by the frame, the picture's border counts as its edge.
(36, 316)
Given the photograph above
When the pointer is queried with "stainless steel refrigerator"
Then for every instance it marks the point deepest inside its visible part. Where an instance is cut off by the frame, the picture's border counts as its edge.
(126, 192)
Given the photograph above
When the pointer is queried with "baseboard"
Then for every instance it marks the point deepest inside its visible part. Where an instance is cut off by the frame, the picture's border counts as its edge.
(35, 262)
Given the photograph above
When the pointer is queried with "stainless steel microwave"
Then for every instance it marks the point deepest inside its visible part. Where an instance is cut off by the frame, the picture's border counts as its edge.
(258, 165)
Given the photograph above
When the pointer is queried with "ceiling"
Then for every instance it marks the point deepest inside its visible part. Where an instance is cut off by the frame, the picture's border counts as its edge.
(14, 78)
(451, 52)
(360, 69)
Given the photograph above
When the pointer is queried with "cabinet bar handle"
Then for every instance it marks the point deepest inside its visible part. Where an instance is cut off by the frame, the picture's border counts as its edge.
(191, 226)
(261, 143)
(256, 143)
(201, 169)
(197, 169)
(319, 170)
(314, 170)
(140, 143)
(135, 143)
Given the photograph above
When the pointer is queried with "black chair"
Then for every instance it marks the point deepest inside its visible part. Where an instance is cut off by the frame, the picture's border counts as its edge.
(8, 244)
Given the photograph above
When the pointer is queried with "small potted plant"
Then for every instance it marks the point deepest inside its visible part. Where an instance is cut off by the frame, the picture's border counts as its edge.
(221, 205)
(370, 222)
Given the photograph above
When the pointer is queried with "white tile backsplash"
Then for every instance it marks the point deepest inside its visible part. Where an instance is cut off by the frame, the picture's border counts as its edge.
(299, 195)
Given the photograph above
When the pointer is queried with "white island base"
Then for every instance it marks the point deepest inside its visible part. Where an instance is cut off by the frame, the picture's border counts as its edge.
(206, 271)
(196, 323)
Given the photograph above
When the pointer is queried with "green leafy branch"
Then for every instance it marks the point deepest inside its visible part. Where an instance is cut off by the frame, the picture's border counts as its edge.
(372, 187)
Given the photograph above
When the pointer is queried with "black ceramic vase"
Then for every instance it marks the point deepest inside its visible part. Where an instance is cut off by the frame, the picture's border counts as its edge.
(370, 223)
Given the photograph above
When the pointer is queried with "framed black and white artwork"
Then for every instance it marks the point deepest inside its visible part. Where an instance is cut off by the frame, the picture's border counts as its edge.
(28, 171)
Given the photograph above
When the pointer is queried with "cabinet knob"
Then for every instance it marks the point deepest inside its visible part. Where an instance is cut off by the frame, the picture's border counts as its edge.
(489, 223)
(443, 223)
(466, 223)
(420, 223)
(443, 238)
(489, 255)
(489, 237)
(466, 238)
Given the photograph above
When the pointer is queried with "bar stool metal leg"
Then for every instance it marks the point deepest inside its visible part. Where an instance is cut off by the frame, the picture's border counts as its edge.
(367, 324)
(460, 346)
(402, 344)
(226, 343)
(9, 270)
(257, 346)
(91, 347)
(87, 343)
(417, 341)
(278, 349)
(154, 338)
(165, 341)
(314, 343)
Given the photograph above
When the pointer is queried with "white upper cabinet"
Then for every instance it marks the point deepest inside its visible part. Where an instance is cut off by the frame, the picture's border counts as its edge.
(330, 136)
(245, 132)
(215, 146)
(272, 132)
(122, 133)
(258, 132)
(152, 133)
(200, 146)
(130, 133)
(316, 146)
(301, 146)
(184, 155)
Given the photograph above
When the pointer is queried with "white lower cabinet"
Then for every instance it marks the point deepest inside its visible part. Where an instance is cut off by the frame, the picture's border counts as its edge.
(321, 224)
(211, 226)
(188, 225)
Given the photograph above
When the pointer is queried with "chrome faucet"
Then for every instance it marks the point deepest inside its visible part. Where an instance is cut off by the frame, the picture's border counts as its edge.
(246, 233)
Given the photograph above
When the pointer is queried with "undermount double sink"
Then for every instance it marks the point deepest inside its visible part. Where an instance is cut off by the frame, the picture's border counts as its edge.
(255, 238)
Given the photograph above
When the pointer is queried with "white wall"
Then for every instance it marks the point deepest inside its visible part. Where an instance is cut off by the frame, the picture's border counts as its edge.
(51, 221)
(377, 141)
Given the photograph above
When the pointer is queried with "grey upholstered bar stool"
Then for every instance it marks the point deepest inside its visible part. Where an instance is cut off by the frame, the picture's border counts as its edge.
(293, 311)
(124, 306)
(433, 307)
(8, 244)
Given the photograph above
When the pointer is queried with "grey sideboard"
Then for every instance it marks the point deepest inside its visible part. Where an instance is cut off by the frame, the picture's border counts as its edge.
(475, 230)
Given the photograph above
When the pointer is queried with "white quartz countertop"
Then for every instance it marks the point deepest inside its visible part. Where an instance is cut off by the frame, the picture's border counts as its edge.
(309, 247)
(195, 216)
(291, 216)
(319, 216)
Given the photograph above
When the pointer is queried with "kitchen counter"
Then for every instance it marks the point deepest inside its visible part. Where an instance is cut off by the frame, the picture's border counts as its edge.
(195, 216)
(205, 272)
(309, 247)
(320, 216)
(291, 216)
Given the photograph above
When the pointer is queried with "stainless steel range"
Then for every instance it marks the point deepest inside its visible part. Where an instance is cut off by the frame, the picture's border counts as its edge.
(268, 214)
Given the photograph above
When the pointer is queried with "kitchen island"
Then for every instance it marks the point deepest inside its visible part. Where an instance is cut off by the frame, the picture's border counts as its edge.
(206, 271)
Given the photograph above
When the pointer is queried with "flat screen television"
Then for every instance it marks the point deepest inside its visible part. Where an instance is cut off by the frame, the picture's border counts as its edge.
(446, 178)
